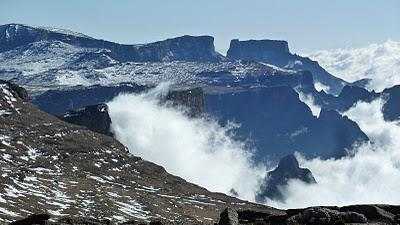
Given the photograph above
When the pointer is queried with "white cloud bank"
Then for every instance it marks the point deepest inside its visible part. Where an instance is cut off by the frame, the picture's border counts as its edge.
(372, 175)
(204, 153)
(379, 62)
(196, 149)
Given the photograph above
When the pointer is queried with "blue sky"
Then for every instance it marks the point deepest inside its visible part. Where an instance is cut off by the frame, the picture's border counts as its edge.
(307, 24)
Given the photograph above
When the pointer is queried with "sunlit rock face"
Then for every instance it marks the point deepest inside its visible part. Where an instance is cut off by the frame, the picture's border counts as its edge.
(277, 53)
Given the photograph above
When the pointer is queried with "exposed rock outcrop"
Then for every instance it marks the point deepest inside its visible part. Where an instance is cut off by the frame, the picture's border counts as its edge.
(277, 53)
(258, 50)
(191, 99)
(19, 91)
(228, 217)
(94, 117)
(288, 168)
(391, 109)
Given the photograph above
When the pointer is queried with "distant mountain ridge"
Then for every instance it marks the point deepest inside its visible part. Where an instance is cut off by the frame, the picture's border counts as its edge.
(187, 48)
(86, 52)
(277, 53)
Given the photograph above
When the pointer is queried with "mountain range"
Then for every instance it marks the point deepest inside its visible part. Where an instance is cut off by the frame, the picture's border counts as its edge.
(58, 55)
(59, 154)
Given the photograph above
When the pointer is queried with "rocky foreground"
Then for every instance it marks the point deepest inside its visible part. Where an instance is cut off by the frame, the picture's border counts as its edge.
(50, 166)
(356, 214)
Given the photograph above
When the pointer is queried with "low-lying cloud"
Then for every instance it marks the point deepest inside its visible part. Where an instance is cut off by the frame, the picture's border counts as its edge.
(197, 149)
(371, 175)
(379, 62)
(203, 152)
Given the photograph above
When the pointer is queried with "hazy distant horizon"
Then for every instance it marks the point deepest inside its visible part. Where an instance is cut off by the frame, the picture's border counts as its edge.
(307, 26)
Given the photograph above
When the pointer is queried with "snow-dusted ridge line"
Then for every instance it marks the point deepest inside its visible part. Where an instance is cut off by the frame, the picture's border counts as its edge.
(50, 29)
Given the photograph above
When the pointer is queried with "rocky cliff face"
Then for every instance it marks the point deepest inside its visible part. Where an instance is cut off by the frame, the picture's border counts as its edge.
(185, 48)
(391, 109)
(278, 123)
(277, 53)
(49, 166)
(192, 100)
(258, 50)
(288, 168)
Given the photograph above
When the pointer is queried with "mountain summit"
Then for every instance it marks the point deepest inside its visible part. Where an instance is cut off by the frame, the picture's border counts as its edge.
(185, 48)
(277, 53)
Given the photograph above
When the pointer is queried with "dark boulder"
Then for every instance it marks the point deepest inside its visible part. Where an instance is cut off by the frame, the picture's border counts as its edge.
(95, 118)
(288, 168)
(81, 221)
(371, 212)
(229, 217)
(156, 223)
(17, 90)
(248, 216)
(325, 216)
(36, 219)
